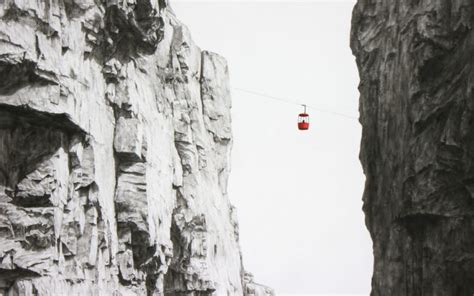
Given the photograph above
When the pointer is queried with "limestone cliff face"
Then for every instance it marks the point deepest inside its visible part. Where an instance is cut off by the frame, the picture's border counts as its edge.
(115, 134)
(416, 63)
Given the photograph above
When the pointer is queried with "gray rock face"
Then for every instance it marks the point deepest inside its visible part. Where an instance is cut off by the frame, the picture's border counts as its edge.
(416, 63)
(115, 135)
(253, 289)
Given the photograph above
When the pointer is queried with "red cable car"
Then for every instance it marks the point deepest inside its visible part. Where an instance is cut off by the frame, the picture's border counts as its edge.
(303, 120)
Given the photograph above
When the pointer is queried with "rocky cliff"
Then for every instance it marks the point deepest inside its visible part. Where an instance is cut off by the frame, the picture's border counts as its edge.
(416, 61)
(115, 134)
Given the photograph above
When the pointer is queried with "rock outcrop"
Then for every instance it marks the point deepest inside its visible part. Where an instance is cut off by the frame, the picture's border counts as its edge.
(115, 135)
(416, 64)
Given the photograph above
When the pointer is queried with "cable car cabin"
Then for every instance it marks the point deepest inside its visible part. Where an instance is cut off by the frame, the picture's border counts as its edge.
(303, 121)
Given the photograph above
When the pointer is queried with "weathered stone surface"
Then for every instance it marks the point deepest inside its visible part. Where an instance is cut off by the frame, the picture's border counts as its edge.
(115, 136)
(416, 63)
(253, 289)
(128, 142)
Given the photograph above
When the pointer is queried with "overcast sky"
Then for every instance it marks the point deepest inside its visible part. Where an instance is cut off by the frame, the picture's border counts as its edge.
(298, 194)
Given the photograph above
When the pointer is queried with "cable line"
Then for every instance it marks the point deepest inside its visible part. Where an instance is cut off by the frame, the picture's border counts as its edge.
(291, 102)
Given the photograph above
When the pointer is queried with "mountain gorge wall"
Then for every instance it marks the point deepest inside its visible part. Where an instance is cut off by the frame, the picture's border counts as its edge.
(115, 137)
(416, 64)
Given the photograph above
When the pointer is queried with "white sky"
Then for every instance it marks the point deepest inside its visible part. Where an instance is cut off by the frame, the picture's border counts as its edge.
(298, 194)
